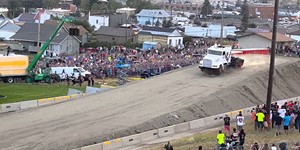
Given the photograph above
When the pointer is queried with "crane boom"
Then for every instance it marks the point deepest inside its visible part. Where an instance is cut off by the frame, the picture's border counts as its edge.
(45, 46)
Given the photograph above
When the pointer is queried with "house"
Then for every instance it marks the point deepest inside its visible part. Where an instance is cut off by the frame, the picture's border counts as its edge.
(67, 6)
(104, 19)
(263, 40)
(295, 35)
(27, 36)
(211, 31)
(8, 29)
(164, 36)
(126, 10)
(43, 15)
(83, 33)
(59, 12)
(3, 11)
(261, 10)
(115, 35)
(151, 16)
(25, 17)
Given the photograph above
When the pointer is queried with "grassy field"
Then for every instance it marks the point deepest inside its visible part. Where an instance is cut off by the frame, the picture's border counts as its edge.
(22, 91)
(208, 139)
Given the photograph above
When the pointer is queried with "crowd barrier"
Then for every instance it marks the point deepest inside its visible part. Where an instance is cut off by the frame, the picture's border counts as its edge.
(11, 107)
(199, 124)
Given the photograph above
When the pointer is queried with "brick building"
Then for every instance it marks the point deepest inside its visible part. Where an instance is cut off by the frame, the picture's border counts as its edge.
(263, 11)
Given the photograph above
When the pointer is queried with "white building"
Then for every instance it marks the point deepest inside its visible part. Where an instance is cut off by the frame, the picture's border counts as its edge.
(126, 10)
(98, 20)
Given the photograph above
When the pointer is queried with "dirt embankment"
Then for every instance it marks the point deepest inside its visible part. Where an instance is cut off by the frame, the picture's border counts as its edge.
(247, 93)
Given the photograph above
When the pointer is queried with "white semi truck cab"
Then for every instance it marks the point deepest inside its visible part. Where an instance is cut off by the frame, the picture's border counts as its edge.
(217, 59)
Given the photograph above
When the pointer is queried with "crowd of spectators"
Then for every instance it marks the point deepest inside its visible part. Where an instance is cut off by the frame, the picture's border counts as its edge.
(102, 61)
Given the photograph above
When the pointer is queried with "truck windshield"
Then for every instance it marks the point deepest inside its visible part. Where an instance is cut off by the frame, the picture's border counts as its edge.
(81, 69)
(212, 52)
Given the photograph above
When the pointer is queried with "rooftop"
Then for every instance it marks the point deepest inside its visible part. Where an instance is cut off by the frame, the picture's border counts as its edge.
(153, 13)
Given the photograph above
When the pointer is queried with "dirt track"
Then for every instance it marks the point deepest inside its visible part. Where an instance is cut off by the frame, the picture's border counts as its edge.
(146, 105)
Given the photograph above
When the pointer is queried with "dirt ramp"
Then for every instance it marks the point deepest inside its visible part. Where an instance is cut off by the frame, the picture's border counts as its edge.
(247, 93)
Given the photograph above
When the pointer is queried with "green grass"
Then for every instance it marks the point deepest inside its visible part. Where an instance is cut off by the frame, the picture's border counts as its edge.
(22, 91)
(208, 139)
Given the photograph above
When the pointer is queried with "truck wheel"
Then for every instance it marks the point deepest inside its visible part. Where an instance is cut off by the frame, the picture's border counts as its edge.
(10, 80)
(240, 64)
(28, 79)
(47, 79)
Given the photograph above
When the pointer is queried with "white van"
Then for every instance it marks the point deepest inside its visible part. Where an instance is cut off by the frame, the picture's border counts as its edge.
(70, 71)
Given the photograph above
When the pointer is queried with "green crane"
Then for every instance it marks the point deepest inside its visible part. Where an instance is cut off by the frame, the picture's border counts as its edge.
(44, 75)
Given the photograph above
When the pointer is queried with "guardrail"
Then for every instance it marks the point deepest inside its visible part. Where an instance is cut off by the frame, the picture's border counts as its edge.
(200, 124)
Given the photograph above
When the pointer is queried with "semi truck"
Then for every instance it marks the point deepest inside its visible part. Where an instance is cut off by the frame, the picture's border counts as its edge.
(218, 59)
(14, 67)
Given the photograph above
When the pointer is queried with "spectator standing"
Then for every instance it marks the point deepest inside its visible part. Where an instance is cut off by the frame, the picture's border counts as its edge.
(242, 136)
(274, 112)
(240, 121)
(282, 111)
(282, 146)
(260, 119)
(80, 79)
(200, 147)
(255, 146)
(73, 79)
(273, 147)
(265, 147)
(227, 124)
(292, 122)
(286, 123)
(298, 120)
(68, 80)
(168, 146)
(234, 136)
(278, 122)
(221, 139)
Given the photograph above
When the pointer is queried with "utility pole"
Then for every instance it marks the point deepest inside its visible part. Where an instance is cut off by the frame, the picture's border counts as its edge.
(272, 62)
(39, 32)
(222, 23)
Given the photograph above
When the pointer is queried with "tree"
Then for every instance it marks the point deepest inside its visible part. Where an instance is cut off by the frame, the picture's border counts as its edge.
(141, 4)
(113, 5)
(206, 8)
(252, 25)
(245, 16)
(157, 24)
(238, 4)
(192, 16)
(167, 24)
(27, 4)
(50, 3)
(99, 7)
(77, 2)
(147, 23)
(85, 24)
(14, 8)
(85, 5)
